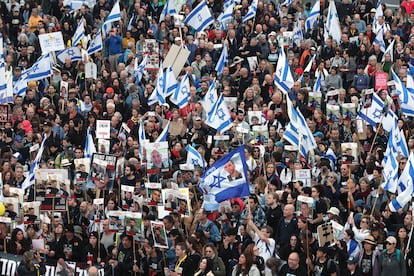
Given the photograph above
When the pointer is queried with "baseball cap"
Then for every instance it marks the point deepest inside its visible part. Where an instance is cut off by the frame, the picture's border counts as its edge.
(391, 239)
(18, 139)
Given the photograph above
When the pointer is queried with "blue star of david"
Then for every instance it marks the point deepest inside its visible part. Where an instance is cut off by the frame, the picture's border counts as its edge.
(280, 71)
(184, 90)
(161, 81)
(71, 52)
(211, 98)
(35, 67)
(194, 161)
(217, 181)
(220, 113)
(199, 18)
(377, 113)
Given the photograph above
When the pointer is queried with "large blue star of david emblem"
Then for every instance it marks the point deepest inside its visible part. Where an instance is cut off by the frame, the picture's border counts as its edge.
(35, 67)
(71, 52)
(199, 18)
(217, 181)
(194, 161)
(211, 98)
(220, 114)
(377, 113)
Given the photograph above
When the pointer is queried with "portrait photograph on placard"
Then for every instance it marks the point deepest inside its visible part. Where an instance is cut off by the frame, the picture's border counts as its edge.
(103, 171)
(348, 111)
(332, 97)
(159, 234)
(82, 169)
(304, 206)
(221, 144)
(116, 221)
(4, 113)
(367, 95)
(332, 113)
(104, 146)
(31, 211)
(169, 198)
(133, 223)
(349, 153)
(127, 197)
(154, 191)
(157, 157)
(255, 117)
(314, 100)
(183, 202)
(260, 134)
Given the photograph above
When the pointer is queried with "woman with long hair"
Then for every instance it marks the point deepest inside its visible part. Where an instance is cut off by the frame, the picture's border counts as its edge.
(294, 245)
(194, 250)
(258, 260)
(246, 266)
(205, 267)
(210, 251)
(27, 266)
(18, 244)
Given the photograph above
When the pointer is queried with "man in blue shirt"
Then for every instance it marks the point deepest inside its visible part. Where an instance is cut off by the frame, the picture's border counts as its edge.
(114, 45)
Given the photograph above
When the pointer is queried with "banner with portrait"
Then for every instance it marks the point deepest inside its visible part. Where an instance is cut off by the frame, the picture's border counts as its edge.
(157, 157)
(103, 171)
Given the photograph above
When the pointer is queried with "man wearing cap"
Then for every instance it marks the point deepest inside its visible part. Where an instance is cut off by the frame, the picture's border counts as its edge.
(352, 267)
(19, 147)
(368, 257)
(70, 246)
(391, 260)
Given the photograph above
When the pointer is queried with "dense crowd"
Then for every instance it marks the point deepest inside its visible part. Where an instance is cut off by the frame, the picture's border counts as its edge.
(270, 232)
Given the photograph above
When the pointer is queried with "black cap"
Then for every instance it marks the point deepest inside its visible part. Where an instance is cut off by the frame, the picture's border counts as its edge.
(93, 234)
(69, 228)
(47, 124)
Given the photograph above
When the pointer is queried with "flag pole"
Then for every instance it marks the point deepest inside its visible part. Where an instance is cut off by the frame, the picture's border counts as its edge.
(376, 134)
(410, 236)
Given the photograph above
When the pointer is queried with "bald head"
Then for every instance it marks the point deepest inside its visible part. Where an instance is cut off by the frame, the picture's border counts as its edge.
(93, 271)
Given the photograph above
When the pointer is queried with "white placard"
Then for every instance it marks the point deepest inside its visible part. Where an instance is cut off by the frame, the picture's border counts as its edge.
(304, 175)
(91, 71)
(98, 201)
(51, 42)
(103, 129)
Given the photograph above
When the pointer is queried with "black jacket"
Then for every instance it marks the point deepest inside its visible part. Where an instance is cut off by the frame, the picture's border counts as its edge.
(23, 270)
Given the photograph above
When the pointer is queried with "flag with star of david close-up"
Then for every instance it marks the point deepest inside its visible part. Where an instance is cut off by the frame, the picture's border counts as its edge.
(227, 177)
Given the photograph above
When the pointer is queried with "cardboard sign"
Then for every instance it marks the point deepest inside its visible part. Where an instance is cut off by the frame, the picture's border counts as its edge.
(51, 42)
(304, 175)
(176, 58)
(325, 234)
(103, 129)
(381, 79)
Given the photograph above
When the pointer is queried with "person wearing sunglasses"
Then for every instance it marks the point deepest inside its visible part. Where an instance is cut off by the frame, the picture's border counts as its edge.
(391, 260)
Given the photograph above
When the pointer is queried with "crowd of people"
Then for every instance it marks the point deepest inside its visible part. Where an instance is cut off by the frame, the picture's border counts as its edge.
(270, 232)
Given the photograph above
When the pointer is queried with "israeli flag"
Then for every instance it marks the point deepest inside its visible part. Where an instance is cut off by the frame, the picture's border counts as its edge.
(20, 87)
(6, 94)
(390, 173)
(3, 83)
(227, 177)
(141, 138)
(30, 179)
(41, 69)
(158, 94)
(373, 114)
(378, 13)
(390, 120)
(79, 33)
(287, 3)
(333, 27)
(313, 16)
(114, 16)
(74, 53)
(292, 135)
(199, 18)
(405, 183)
(379, 38)
(182, 93)
(194, 157)
(139, 69)
(227, 15)
(228, 3)
(171, 82)
(219, 116)
(210, 98)
(389, 50)
(89, 144)
(251, 12)
(284, 79)
(169, 8)
(317, 84)
(405, 95)
(222, 60)
(96, 44)
(164, 134)
(297, 35)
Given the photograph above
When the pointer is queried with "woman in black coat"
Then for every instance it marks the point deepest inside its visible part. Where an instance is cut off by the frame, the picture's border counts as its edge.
(27, 266)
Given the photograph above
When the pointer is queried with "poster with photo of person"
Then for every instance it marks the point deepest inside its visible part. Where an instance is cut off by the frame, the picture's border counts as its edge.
(104, 146)
(159, 234)
(127, 197)
(221, 144)
(367, 95)
(332, 113)
(332, 97)
(349, 153)
(116, 221)
(82, 169)
(11, 204)
(103, 171)
(255, 118)
(154, 191)
(348, 111)
(169, 198)
(4, 113)
(133, 223)
(99, 206)
(157, 157)
(304, 206)
(152, 49)
(183, 202)
(31, 211)
(260, 134)
(314, 100)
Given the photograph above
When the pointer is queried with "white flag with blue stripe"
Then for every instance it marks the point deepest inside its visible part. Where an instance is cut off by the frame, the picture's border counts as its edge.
(30, 179)
(313, 16)
(405, 95)
(139, 69)
(96, 44)
(182, 93)
(378, 13)
(74, 53)
(333, 27)
(317, 84)
(219, 116)
(405, 184)
(373, 114)
(3, 83)
(222, 60)
(164, 134)
(227, 15)
(194, 157)
(251, 12)
(389, 122)
(41, 69)
(287, 3)
(210, 98)
(79, 33)
(158, 94)
(89, 145)
(390, 173)
(284, 79)
(227, 177)
(199, 18)
(6, 96)
(141, 139)
(379, 38)
(171, 82)
(389, 50)
(169, 8)
(114, 16)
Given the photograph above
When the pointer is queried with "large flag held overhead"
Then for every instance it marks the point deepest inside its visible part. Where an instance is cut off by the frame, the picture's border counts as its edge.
(79, 33)
(199, 18)
(169, 8)
(89, 145)
(30, 179)
(166, 85)
(74, 53)
(114, 16)
(41, 69)
(227, 177)
(390, 51)
(194, 157)
(390, 173)
(226, 15)
(222, 60)
(139, 69)
(210, 97)
(378, 13)
(333, 27)
(182, 93)
(373, 114)
(405, 184)
(96, 44)
(284, 79)
(379, 38)
(219, 116)
(251, 12)
(313, 16)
